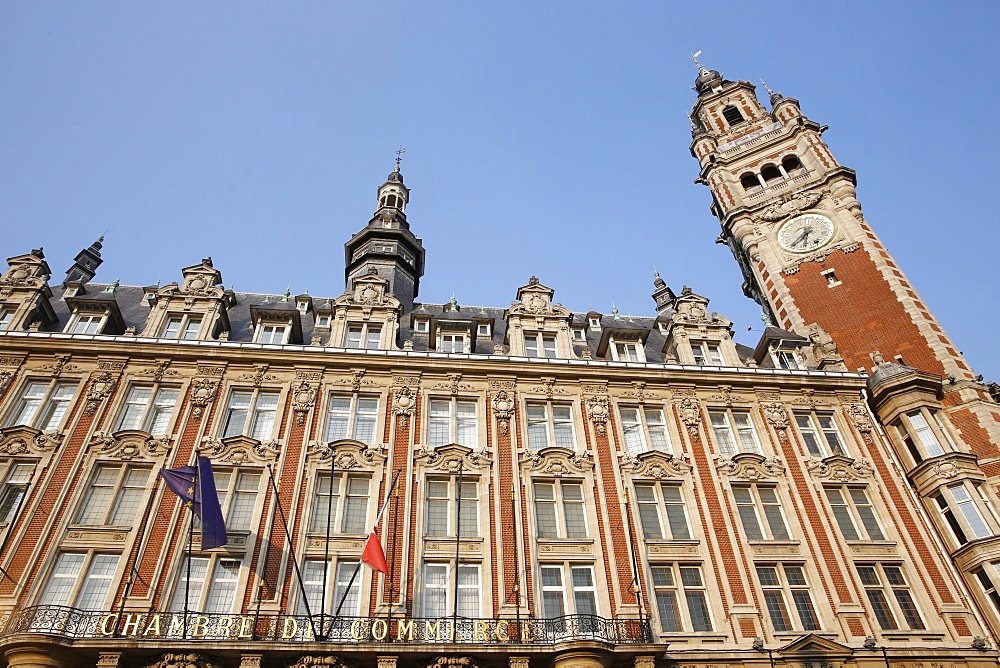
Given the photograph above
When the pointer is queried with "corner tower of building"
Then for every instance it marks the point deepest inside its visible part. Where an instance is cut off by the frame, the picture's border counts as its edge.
(387, 245)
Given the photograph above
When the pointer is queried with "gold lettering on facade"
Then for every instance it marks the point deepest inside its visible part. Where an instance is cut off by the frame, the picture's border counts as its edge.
(434, 626)
(404, 629)
(246, 627)
(380, 629)
(176, 626)
(131, 624)
(356, 630)
(503, 631)
(479, 630)
(153, 626)
(104, 624)
(200, 629)
(224, 625)
(290, 629)
(525, 633)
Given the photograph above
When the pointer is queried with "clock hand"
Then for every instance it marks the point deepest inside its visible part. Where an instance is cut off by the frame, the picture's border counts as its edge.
(802, 235)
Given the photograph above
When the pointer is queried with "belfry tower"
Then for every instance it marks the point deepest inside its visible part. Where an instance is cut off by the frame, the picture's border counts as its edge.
(810, 258)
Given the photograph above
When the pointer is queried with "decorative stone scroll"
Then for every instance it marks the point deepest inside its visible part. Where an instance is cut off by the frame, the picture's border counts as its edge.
(452, 457)
(839, 468)
(548, 388)
(21, 440)
(259, 375)
(454, 662)
(203, 393)
(656, 465)
(503, 410)
(5, 377)
(597, 409)
(60, 364)
(238, 450)
(777, 417)
(789, 205)
(302, 401)
(351, 455)
(454, 384)
(861, 420)
(557, 462)
(191, 660)
(404, 402)
(307, 661)
(690, 411)
(100, 389)
(750, 466)
(160, 370)
(130, 444)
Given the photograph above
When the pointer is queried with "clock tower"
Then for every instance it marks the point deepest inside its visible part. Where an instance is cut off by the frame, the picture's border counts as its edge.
(790, 215)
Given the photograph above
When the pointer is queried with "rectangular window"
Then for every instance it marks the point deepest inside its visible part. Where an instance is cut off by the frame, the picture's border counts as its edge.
(854, 513)
(366, 336)
(438, 591)
(706, 353)
(644, 429)
(452, 421)
(819, 432)
(183, 327)
(572, 595)
(349, 492)
(351, 416)
(760, 512)
(87, 324)
(338, 593)
(786, 594)
(626, 351)
(734, 431)
(6, 318)
(921, 434)
(661, 512)
(43, 404)
(483, 329)
(276, 334)
(442, 505)
(560, 510)
(985, 575)
(579, 334)
(537, 344)
(14, 489)
(680, 598)
(66, 587)
(148, 409)
(114, 495)
(453, 343)
(786, 359)
(890, 597)
(550, 424)
(968, 524)
(213, 595)
(251, 413)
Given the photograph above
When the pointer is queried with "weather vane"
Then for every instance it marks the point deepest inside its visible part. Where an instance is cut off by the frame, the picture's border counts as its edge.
(694, 57)
(399, 155)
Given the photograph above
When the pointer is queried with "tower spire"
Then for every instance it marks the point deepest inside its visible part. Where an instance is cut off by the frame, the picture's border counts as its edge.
(86, 263)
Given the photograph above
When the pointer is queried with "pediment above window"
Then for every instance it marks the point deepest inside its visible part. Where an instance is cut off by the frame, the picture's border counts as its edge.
(453, 457)
(536, 299)
(22, 440)
(690, 308)
(838, 468)
(656, 465)
(27, 271)
(289, 317)
(25, 292)
(238, 450)
(816, 646)
(556, 461)
(129, 444)
(751, 466)
(349, 455)
(369, 290)
(100, 304)
(614, 334)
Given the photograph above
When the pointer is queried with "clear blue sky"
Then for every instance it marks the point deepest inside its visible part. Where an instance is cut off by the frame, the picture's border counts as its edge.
(545, 138)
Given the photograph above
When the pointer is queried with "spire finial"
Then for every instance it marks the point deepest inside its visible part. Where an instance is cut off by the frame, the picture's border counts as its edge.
(767, 88)
(697, 63)
(399, 156)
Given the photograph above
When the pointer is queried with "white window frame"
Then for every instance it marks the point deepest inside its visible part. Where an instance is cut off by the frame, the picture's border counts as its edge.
(642, 426)
(789, 591)
(86, 322)
(674, 587)
(205, 586)
(86, 577)
(627, 351)
(17, 479)
(238, 496)
(451, 417)
(421, 325)
(113, 495)
(761, 504)
(961, 509)
(786, 359)
(570, 592)
(891, 593)
(854, 512)
(338, 575)
(555, 421)
(6, 318)
(369, 335)
(51, 400)
(362, 418)
(707, 353)
(820, 433)
(467, 590)
(541, 344)
(665, 505)
(567, 505)
(924, 436)
(272, 332)
(453, 342)
(322, 321)
(256, 417)
(441, 494)
(188, 326)
(484, 329)
(350, 495)
(147, 413)
(731, 436)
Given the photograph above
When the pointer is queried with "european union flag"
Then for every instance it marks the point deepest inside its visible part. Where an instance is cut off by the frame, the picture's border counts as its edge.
(197, 489)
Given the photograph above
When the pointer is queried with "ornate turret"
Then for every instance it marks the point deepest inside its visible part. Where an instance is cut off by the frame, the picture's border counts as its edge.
(86, 263)
(387, 245)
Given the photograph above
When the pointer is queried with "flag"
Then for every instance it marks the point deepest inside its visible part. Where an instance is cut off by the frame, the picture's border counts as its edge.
(373, 555)
(196, 488)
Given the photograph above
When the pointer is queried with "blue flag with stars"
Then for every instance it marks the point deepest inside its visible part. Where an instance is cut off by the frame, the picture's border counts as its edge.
(196, 488)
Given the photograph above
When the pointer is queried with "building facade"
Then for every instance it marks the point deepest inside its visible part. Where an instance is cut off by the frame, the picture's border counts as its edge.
(552, 487)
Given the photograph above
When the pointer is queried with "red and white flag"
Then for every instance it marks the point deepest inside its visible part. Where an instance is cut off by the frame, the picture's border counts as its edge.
(373, 555)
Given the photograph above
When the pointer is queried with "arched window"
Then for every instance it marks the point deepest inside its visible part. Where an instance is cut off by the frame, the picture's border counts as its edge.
(792, 165)
(733, 115)
(771, 174)
(749, 182)
(390, 200)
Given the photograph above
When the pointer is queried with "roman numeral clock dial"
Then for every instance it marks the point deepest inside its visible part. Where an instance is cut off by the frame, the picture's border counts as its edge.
(805, 233)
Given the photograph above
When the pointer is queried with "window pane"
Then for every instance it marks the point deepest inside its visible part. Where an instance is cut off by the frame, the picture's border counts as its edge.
(60, 586)
(98, 582)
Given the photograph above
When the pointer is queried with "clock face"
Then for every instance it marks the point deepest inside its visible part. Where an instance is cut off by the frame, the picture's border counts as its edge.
(805, 233)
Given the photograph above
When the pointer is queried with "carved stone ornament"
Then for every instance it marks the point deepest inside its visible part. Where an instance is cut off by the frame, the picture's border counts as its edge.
(839, 468)
(309, 660)
(130, 444)
(350, 455)
(5, 378)
(454, 662)
(690, 414)
(403, 404)
(454, 384)
(100, 389)
(777, 417)
(557, 462)
(302, 401)
(791, 204)
(946, 470)
(597, 409)
(452, 457)
(548, 388)
(860, 419)
(750, 466)
(203, 393)
(22, 440)
(108, 659)
(238, 450)
(656, 465)
(369, 294)
(160, 370)
(503, 409)
(189, 660)
(60, 364)
(259, 375)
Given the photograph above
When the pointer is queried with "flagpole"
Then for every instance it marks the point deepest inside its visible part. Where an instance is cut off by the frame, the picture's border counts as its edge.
(291, 550)
(326, 549)
(187, 584)
(392, 567)
(635, 559)
(458, 544)
(267, 556)
(517, 559)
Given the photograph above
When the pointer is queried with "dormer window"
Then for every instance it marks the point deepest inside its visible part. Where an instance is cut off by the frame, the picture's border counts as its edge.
(420, 325)
(87, 323)
(579, 334)
(483, 329)
(322, 321)
(365, 336)
(627, 351)
(272, 333)
(595, 322)
(6, 319)
(706, 353)
(733, 116)
(182, 327)
(383, 248)
(786, 359)
(538, 344)
(452, 342)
